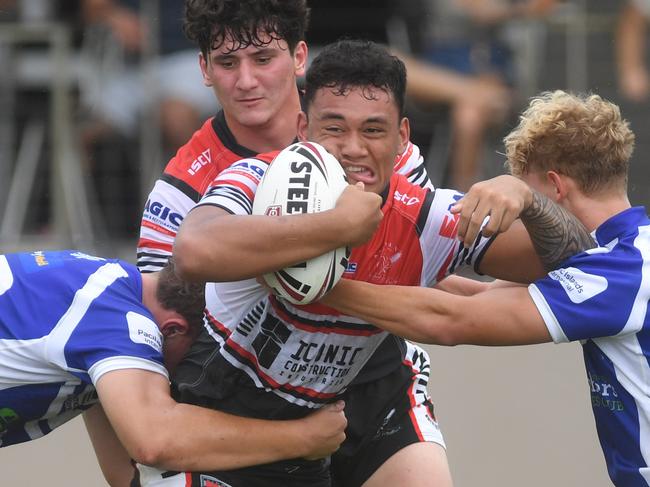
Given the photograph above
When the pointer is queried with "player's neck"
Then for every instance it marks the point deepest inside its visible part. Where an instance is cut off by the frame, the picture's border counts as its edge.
(594, 211)
(276, 134)
(149, 284)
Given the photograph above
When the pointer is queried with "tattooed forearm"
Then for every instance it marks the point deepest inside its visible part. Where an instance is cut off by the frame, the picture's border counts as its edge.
(556, 233)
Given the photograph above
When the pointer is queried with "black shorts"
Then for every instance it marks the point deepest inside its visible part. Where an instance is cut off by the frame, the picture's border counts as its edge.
(384, 416)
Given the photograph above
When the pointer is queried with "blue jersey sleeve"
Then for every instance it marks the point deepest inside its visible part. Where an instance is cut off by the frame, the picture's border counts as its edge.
(593, 295)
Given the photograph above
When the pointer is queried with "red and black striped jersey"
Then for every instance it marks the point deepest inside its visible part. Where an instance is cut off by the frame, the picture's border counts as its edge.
(309, 354)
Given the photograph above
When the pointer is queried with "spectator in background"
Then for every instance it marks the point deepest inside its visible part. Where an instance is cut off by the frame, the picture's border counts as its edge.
(147, 74)
(633, 78)
(182, 99)
(463, 36)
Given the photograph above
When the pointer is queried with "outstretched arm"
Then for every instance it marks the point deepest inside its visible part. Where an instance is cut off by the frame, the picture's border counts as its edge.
(502, 316)
(157, 431)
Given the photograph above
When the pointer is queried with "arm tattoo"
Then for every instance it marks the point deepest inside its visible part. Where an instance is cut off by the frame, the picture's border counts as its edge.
(556, 233)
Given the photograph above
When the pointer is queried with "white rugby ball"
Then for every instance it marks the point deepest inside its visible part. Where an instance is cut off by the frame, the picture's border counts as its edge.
(303, 178)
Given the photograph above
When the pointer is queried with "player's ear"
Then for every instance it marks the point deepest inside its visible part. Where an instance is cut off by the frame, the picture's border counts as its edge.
(300, 54)
(203, 63)
(303, 123)
(174, 326)
(559, 185)
(404, 134)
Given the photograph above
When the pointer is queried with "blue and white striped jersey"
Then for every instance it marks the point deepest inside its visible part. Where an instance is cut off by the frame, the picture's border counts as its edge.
(66, 318)
(601, 298)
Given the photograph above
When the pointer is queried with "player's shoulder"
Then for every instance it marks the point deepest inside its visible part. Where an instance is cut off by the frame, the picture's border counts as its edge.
(406, 197)
(203, 157)
(256, 166)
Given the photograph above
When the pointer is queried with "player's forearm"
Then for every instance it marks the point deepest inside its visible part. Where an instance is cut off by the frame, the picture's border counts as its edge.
(461, 286)
(193, 438)
(229, 247)
(556, 234)
(503, 316)
(410, 312)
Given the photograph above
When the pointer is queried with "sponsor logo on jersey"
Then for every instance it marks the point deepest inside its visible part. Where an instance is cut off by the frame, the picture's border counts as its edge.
(204, 159)
(324, 363)
(259, 172)
(405, 199)
(81, 255)
(312, 361)
(352, 267)
(85, 399)
(267, 344)
(603, 393)
(449, 225)
(162, 214)
(579, 285)
(143, 330)
(208, 481)
(39, 258)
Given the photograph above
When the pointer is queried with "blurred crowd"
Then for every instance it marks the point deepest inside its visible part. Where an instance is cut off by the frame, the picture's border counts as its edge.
(136, 93)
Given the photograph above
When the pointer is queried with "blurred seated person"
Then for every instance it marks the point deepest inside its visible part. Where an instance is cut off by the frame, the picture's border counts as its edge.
(182, 100)
(630, 39)
(463, 36)
(147, 71)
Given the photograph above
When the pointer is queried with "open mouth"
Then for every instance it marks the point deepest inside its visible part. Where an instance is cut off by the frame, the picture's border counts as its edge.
(360, 173)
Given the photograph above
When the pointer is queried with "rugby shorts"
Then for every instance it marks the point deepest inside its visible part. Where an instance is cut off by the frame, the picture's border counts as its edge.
(384, 416)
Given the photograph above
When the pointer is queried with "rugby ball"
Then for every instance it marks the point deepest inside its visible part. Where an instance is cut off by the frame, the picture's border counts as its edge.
(303, 178)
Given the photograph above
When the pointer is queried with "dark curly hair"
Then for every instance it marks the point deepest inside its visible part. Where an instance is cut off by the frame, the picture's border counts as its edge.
(186, 298)
(208, 22)
(361, 64)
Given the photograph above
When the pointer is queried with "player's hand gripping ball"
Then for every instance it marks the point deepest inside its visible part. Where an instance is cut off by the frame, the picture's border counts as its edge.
(303, 178)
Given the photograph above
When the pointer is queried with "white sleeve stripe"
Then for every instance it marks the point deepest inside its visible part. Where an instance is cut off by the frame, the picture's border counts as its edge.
(554, 328)
(121, 363)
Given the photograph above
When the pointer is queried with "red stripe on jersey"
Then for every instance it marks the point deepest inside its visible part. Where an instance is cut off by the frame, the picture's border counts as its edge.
(252, 359)
(237, 184)
(188, 479)
(158, 228)
(220, 327)
(152, 244)
(321, 329)
(247, 175)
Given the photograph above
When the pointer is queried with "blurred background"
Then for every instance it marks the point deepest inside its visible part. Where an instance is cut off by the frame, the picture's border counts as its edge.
(92, 106)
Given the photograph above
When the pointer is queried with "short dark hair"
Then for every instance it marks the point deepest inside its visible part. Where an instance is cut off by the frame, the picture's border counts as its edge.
(186, 298)
(362, 64)
(208, 22)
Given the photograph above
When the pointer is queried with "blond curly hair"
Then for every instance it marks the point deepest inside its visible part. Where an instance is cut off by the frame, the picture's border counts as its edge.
(580, 136)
